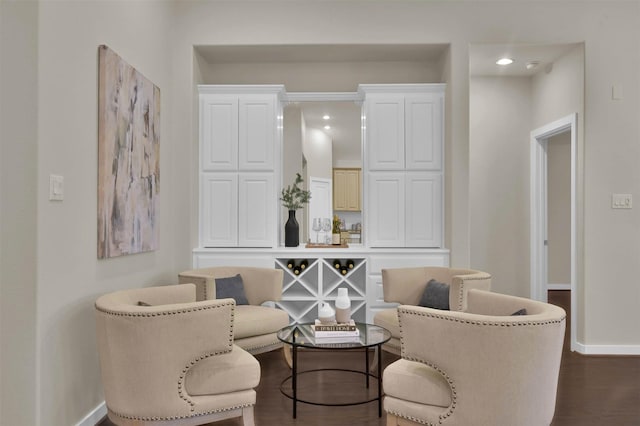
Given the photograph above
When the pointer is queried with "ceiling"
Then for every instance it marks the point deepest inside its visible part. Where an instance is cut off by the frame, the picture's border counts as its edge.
(483, 57)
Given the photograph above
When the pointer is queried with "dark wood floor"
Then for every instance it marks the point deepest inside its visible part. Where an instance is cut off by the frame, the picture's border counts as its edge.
(592, 390)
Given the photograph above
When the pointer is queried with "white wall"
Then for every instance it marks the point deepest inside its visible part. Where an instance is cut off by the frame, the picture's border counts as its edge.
(69, 276)
(499, 126)
(556, 94)
(18, 227)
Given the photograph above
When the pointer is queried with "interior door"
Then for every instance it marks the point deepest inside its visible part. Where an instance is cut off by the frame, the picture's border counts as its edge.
(320, 205)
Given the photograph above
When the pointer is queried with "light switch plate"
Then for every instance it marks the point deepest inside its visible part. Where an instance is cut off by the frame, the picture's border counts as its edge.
(56, 188)
(621, 201)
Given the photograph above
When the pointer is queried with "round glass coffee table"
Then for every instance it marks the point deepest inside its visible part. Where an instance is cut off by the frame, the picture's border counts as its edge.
(302, 336)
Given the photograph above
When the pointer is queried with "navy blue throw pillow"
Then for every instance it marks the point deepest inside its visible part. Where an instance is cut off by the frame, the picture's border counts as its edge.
(436, 295)
(233, 288)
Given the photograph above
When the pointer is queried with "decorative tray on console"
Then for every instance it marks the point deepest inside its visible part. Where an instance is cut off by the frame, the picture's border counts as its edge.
(316, 245)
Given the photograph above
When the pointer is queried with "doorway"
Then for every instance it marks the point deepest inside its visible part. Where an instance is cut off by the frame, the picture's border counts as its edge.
(540, 212)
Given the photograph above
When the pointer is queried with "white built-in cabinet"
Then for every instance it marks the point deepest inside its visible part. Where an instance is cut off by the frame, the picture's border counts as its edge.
(240, 140)
(404, 140)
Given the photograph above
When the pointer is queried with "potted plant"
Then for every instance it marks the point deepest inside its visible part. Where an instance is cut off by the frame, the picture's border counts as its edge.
(293, 198)
(335, 236)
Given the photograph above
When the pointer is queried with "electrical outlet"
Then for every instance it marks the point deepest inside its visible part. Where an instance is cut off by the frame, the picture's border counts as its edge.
(621, 201)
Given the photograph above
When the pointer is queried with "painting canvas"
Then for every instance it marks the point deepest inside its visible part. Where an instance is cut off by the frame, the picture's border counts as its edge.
(128, 158)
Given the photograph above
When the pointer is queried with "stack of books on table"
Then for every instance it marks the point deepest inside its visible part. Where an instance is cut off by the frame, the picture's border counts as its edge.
(335, 333)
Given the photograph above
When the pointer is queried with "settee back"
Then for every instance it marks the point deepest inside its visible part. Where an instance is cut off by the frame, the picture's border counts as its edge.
(406, 285)
(260, 284)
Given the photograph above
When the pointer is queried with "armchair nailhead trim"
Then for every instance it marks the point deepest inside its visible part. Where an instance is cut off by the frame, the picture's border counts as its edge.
(450, 382)
(465, 279)
(487, 323)
(163, 313)
(413, 419)
(174, 418)
(275, 345)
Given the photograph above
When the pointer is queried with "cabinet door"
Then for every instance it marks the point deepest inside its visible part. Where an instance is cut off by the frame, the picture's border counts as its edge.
(385, 209)
(256, 210)
(346, 189)
(218, 132)
(423, 209)
(424, 131)
(339, 189)
(219, 209)
(385, 132)
(258, 125)
(353, 190)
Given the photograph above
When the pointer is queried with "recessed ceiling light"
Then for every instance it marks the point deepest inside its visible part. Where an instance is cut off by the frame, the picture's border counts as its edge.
(325, 117)
(504, 61)
(327, 127)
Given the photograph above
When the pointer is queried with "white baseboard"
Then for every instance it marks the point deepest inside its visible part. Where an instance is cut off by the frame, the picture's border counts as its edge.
(558, 286)
(94, 416)
(607, 349)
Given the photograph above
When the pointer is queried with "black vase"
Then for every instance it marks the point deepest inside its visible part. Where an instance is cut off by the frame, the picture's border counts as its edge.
(291, 231)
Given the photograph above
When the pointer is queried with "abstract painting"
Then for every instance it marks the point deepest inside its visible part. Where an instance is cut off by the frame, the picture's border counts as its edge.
(128, 158)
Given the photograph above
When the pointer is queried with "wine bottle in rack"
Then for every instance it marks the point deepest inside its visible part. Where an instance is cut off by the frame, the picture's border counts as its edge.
(337, 264)
(291, 263)
(344, 270)
(350, 264)
(296, 270)
(303, 264)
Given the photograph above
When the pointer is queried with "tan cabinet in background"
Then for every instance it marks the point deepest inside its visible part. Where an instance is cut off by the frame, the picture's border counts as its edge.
(346, 189)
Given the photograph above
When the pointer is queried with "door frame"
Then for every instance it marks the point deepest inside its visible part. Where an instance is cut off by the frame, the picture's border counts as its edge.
(538, 212)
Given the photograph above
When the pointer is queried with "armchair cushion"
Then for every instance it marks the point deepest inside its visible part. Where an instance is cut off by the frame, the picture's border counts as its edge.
(252, 320)
(231, 372)
(416, 382)
(231, 287)
(435, 295)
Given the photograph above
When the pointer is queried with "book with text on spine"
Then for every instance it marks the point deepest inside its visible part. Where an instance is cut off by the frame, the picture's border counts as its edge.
(335, 330)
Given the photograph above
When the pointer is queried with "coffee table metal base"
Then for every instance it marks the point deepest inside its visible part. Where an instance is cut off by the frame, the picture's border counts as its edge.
(294, 382)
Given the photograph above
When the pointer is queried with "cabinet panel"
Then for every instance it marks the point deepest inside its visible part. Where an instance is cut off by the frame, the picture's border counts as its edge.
(218, 132)
(386, 209)
(257, 133)
(424, 132)
(219, 219)
(346, 189)
(255, 210)
(385, 132)
(423, 209)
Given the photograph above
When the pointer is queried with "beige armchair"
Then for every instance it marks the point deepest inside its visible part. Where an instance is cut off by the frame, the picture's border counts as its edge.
(482, 367)
(406, 285)
(174, 362)
(256, 326)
